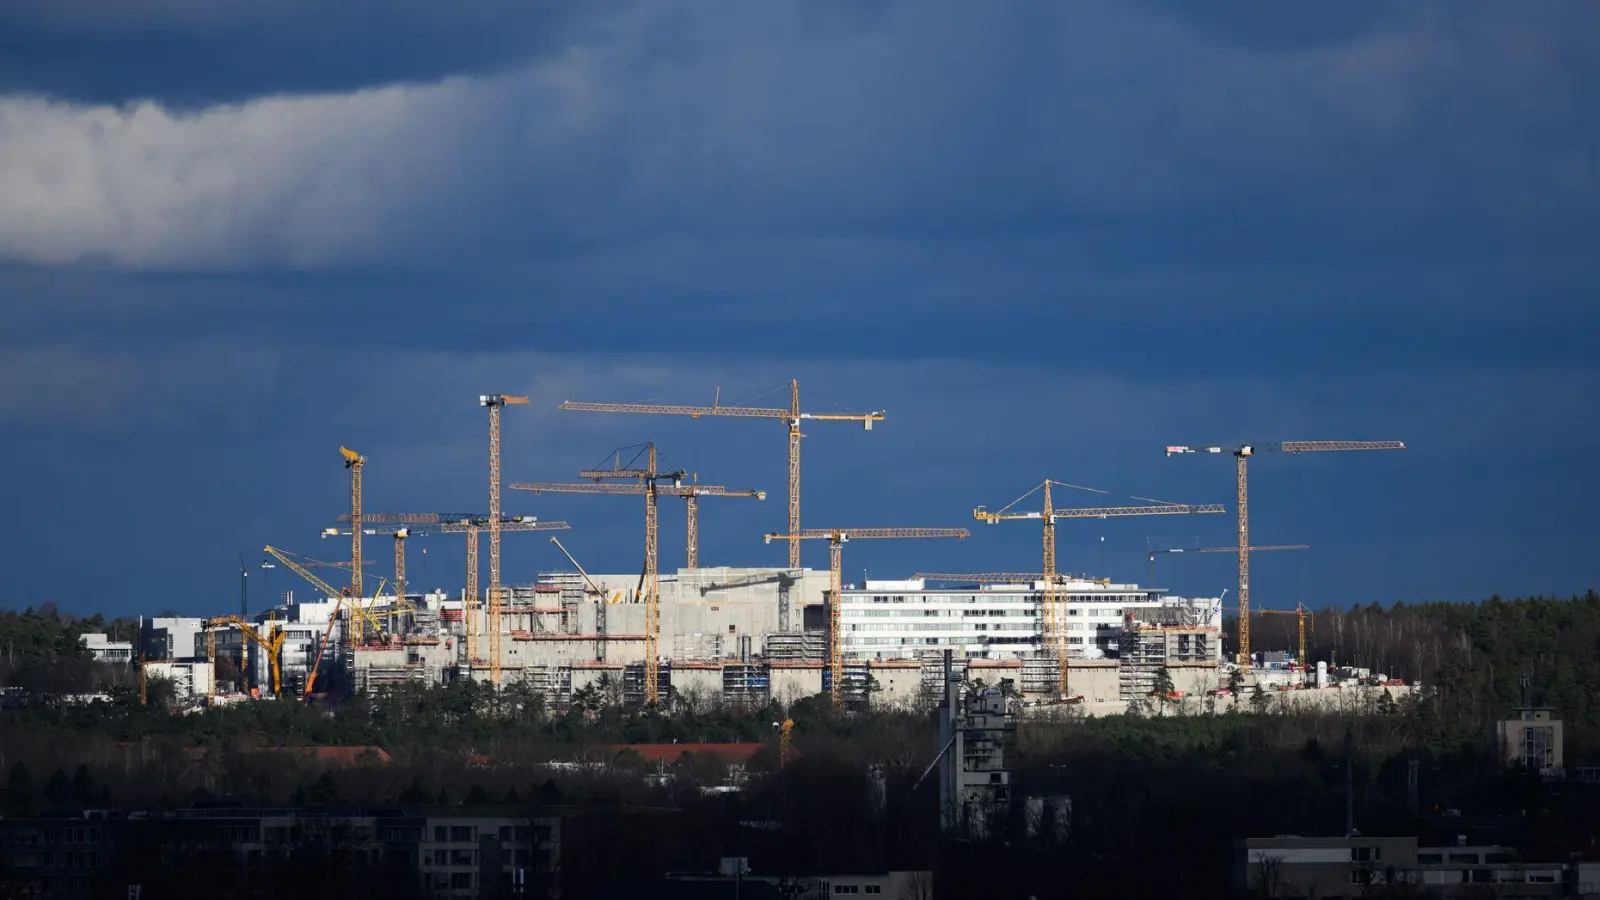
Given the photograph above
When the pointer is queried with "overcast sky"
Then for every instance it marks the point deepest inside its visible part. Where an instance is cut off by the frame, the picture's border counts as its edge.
(1047, 239)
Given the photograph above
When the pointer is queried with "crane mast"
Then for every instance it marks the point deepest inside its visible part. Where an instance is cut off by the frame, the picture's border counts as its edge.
(355, 462)
(792, 416)
(494, 403)
(1241, 454)
(836, 538)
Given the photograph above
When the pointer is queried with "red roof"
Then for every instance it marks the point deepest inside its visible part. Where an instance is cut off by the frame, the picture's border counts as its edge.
(343, 756)
(672, 753)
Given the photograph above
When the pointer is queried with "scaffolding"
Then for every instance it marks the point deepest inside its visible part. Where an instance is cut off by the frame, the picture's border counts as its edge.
(746, 686)
(633, 683)
(1146, 647)
(1040, 676)
(796, 647)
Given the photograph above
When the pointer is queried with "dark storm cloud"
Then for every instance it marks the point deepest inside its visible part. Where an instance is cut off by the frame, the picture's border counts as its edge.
(1049, 238)
(194, 53)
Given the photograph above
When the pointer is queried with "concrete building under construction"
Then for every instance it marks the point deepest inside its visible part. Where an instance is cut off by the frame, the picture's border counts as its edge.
(748, 635)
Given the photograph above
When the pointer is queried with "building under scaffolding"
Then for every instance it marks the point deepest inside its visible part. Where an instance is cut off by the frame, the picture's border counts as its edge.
(1177, 634)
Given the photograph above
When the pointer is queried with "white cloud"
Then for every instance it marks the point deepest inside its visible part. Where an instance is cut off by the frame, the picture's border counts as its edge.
(746, 119)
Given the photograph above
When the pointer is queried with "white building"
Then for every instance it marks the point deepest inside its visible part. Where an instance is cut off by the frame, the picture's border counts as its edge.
(172, 637)
(103, 649)
(190, 680)
(906, 619)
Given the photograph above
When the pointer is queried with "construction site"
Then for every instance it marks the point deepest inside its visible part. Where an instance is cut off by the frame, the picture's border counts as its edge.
(737, 635)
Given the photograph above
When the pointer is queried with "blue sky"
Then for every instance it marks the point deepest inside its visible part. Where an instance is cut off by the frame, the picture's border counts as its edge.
(1048, 239)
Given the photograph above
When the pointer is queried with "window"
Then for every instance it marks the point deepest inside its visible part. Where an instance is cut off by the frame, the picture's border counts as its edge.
(874, 889)
(845, 889)
(1365, 854)
(1470, 859)
(505, 834)
(462, 834)
(460, 881)
(1429, 859)
(460, 857)
(441, 857)
(441, 834)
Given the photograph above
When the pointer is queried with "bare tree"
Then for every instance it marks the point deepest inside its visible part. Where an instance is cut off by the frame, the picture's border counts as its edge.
(917, 886)
(1268, 872)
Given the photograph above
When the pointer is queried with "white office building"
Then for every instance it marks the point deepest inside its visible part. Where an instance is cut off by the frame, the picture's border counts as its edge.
(907, 619)
(172, 637)
(102, 649)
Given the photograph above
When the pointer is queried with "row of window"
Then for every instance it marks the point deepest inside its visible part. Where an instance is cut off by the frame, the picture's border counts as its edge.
(71, 859)
(858, 889)
(881, 627)
(63, 835)
(1074, 600)
(854, 613)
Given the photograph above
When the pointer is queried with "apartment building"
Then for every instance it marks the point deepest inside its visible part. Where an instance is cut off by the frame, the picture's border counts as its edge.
(455, 853)
(1333, 867)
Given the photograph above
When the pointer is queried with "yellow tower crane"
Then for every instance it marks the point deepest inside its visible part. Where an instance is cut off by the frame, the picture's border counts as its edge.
(1241, 456)
(648, 477)
(836, 538)
(494, 403)
(355, 462)
(1054, 633)
(792, 416)
(1301, 613)
(358, 611)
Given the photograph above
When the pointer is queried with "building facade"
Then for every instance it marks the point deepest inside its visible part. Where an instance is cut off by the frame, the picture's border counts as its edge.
(453, 854)
(908, 619)
(102, 649)
(1332, 867)
(172, 637)
(1532, 737)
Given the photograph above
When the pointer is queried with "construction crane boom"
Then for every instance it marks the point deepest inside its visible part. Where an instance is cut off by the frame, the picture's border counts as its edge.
(271, 646)
(691, 494)
(322, 649)
(1241, 456)
(358, 612)
(1054, 633)
(1152, 551)
(836, 538)
(793, 416)
(593, 588)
